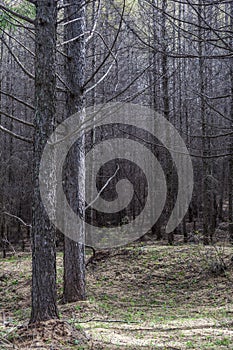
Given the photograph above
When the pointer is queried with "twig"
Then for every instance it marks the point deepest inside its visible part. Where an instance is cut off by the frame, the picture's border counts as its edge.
(31, 76)
(5, 240)
(108, 321)
(25, 18)
(112, 46)
(18, 218)
(15, 135)
(99, 193)
(21, 121)
(17, 99)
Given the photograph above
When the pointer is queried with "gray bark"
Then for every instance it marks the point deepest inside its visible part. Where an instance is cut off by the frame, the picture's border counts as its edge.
(231, 144)
(74, 252)
(44, 305)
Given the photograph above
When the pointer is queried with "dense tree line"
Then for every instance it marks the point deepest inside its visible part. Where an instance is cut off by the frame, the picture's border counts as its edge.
(58, 58)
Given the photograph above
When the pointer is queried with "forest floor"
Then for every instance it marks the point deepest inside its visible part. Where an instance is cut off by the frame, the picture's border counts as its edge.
(145, 296)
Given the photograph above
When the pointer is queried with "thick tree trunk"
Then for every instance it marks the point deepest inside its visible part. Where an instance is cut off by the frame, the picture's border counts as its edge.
(74, 264)
(44, 305)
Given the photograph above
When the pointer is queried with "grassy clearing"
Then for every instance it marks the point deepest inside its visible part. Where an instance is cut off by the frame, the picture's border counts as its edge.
(140, 297)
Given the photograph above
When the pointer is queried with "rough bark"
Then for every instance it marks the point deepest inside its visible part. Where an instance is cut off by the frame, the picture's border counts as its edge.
(203, 129)
(44, 305)
(231, 144)
(74, 264)
(166, 105)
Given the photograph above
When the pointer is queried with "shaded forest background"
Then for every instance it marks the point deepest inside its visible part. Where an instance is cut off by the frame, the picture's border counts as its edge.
(173, 56)
(56, 59)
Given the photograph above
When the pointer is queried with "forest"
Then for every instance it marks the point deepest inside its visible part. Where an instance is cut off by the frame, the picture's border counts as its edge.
(116, 174)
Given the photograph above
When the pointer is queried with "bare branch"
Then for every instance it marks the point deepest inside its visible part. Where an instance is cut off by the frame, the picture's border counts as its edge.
(72, 21)
(101, 79)
(14, 13)
(175, 151)
(95, 23)
(62, 81)
(210, 136)
(15, 135)
(219, 2)
(31, 76)
(110, 52)
(17, 218)
(73, 39)
(34, 2)
(102, 189)
(175, 54)
(16, 119)
(113, 44)
(17, 99)
(18, 42)
(18, 24)
(228, 47)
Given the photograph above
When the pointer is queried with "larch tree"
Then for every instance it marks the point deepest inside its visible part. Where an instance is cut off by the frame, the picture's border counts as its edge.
(44, 295)
(230, 182)
(180, 65)
(74, 41)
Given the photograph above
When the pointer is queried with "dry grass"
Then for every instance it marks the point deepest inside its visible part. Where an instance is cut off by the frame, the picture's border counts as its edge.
(139, 297)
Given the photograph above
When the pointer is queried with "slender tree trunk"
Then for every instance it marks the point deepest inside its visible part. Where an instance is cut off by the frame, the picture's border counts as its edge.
(2, 218)
(204, 131)
(44, 303)
(222, 193)
(166, 103)
(231, 144)
(153, 60)
(74, 252)
(231, 167)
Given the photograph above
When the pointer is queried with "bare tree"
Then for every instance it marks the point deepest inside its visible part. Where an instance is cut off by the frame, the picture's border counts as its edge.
(44, 298)
(74, 265)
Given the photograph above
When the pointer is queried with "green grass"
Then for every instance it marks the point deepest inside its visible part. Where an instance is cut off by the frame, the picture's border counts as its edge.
(156, 297)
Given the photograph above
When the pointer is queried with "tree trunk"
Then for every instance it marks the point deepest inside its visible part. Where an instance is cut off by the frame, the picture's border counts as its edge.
(231, 145)
(74, 252)
(166, 103)
(44, 303)
(156, 230)
(204, 131)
